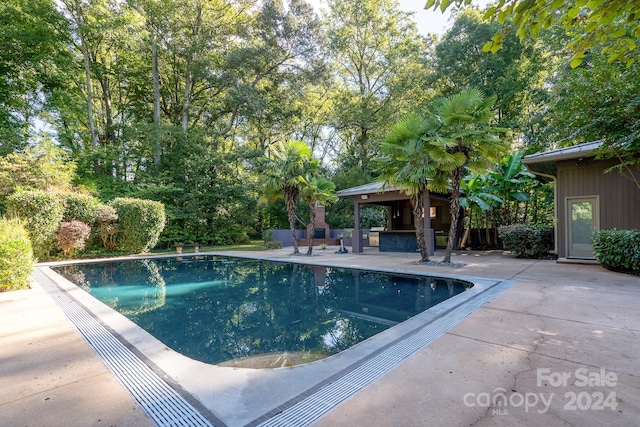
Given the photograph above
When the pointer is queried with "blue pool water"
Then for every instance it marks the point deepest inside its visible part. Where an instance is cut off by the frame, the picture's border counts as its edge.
(220, 309)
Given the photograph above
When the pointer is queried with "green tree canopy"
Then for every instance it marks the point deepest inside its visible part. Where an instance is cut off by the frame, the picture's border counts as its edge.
(610, 25)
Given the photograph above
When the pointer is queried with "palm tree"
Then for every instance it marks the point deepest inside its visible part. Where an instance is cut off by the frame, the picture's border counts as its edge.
(464, 121)
(316, 190)
(289, 162)
(408, 162)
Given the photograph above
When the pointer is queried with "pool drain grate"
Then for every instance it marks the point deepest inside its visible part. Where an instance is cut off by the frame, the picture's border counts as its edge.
(162, 403)
(313, 407)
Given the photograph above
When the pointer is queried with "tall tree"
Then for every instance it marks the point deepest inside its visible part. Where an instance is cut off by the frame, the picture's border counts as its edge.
(464, 121)
(34, 63)
(377, 56)
(413, 165)
(289, 162)
(511, 75)
(316, 190)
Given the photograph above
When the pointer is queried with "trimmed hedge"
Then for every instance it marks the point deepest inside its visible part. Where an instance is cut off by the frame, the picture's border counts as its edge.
(527, 240)
(618, 250)
(140, 223)
(42, 213)
(16, 256)
(80, 207)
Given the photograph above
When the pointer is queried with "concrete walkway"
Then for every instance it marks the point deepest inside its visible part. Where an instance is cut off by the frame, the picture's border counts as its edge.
(559, 347)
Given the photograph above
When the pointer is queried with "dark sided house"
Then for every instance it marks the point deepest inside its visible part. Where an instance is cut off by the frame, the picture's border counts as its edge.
(586, 198)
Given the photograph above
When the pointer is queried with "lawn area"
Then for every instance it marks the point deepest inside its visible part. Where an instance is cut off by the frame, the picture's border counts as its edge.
(254, 245)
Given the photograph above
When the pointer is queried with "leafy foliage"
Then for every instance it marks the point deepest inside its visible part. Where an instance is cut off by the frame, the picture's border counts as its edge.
(284, 177)
(527, 240)
(618, 250)
(140, 223)
(413, 165)
(464, 123)
(72, 236)
(316, 190)
(106, 219)
(42, 213)
(44, 167)
(593, 23)
(80, 207)
(16, 256)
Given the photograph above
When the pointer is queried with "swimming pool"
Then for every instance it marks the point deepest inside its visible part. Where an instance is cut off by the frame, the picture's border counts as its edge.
(255, 313)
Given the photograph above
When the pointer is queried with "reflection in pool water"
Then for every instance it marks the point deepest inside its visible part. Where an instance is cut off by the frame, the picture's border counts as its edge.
(229, 311)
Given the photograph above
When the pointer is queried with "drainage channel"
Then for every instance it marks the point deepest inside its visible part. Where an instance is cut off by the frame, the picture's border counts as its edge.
(165, 406)
(309, 410)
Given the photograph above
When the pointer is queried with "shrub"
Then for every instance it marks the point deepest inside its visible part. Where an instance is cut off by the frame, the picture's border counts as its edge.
(73, 236)
(42, 213)
(618, 250)
(140, 223)
(267, 236)
(16, 256)
(276, 244)
(106, 219)
(527, 240)
(80, 207)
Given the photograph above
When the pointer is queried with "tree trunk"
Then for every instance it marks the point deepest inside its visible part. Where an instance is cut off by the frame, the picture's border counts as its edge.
(486, 229)
(156, 96)
(311, 228)
(110, 134)
(417, 203)
(291, 197)
(187, 98)
(92, 125)
(454, 209)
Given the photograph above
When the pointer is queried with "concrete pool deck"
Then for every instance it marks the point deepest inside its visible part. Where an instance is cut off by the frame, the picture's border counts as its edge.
(556, 321)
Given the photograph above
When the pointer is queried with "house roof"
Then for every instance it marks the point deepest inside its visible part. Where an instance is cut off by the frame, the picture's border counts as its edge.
(373, 188)
(545, 163)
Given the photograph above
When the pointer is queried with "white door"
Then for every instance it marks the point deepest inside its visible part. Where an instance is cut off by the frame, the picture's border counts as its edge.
(583, 218)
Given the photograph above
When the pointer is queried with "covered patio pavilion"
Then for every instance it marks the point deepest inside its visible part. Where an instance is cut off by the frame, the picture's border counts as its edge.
(399, 233)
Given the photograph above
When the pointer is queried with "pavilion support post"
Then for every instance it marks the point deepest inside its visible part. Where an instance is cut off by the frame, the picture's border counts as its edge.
(356, 237)
(429, 234)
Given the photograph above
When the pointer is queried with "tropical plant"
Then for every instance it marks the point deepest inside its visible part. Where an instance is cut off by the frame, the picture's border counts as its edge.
(316, 190)
(415, 166)
(463, 125)
(290, 161)
(477, 198)
(511, 181)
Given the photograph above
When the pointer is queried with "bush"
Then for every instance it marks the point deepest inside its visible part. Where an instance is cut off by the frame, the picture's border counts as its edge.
(42, 213)
(527, 240)
(140, 223)
(80, 207)
(276, 244)
(618, 250)
(73, 236)
(106, 219)
(16, 256)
